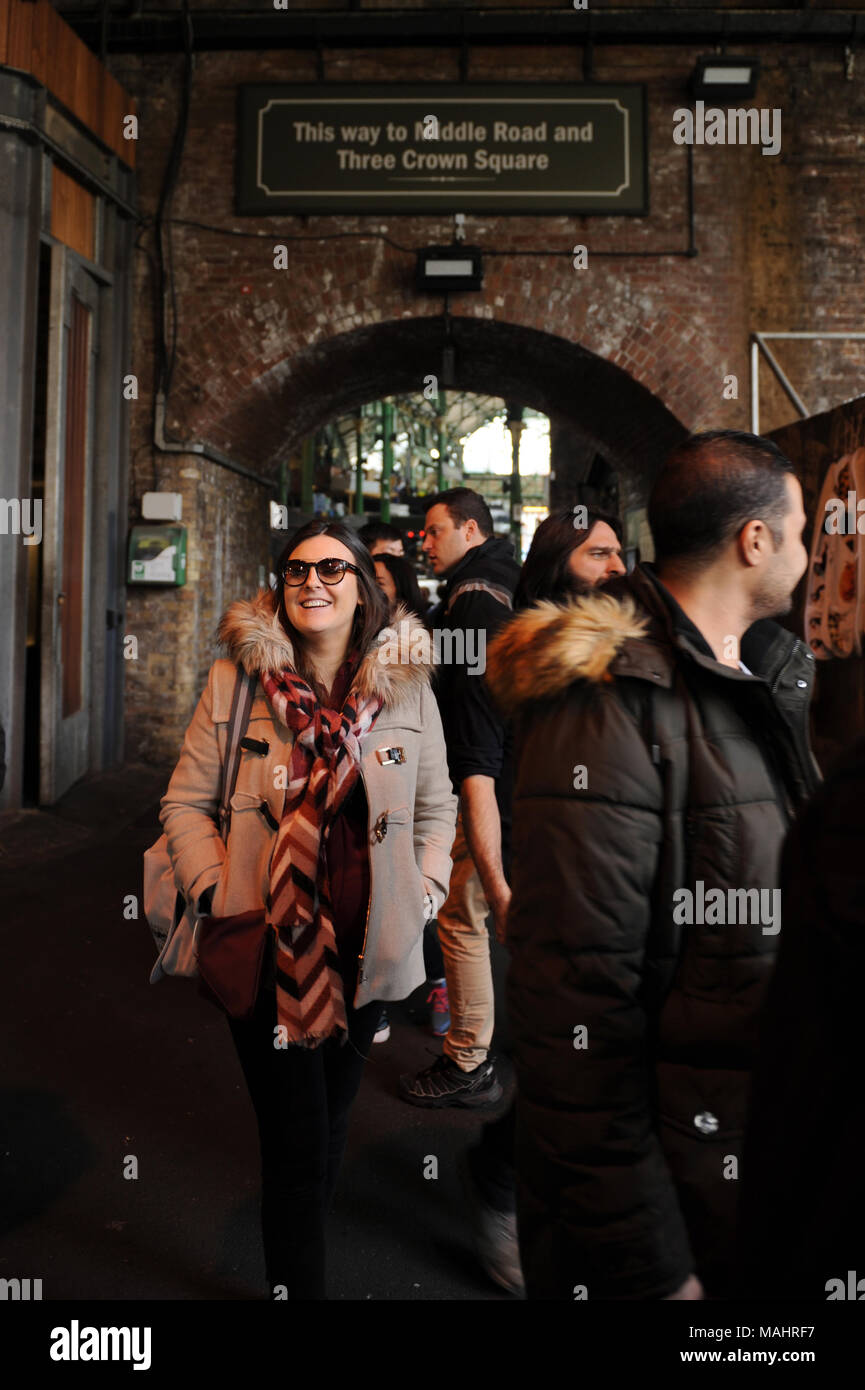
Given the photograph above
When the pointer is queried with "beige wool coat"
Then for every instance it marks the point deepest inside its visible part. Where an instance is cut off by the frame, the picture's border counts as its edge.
(412, 808)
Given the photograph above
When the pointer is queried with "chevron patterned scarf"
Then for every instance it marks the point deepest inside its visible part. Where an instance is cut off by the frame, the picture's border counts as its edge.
(324, 765)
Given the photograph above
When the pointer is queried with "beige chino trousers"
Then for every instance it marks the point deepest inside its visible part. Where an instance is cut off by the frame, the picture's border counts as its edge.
(465, 943)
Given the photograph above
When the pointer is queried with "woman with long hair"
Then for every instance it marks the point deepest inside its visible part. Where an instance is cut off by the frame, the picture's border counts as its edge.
(397, 578)
(338, 852)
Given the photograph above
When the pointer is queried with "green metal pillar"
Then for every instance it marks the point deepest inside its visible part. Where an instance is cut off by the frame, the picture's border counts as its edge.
(307, 469)
(358, 474)
(440, 435)
(386, 457)
(516, 427)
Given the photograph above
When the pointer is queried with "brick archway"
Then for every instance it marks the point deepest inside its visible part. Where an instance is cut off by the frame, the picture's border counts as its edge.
(597, 405)
(604, 404)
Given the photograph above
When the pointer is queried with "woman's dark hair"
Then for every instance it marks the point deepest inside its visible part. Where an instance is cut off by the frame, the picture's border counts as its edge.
(369, 619)
(403, 574)
(546, 573)
(708, 488)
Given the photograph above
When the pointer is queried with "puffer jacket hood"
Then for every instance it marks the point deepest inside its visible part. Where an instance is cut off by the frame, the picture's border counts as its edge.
(400, 659)
(629, 631)
(546, 647)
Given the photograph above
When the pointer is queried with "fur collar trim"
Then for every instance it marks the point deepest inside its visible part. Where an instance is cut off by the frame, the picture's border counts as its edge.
(391, 669)
(545, 648)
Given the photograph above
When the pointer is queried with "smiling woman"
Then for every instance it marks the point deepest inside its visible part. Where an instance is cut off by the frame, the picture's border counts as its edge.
(332, 911)
(330, 608)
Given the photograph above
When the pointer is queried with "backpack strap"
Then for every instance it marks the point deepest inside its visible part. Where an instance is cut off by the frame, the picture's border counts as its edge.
(238, 720)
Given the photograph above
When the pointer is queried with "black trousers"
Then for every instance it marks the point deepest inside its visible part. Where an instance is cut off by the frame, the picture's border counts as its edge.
(433, 960)
(302, 1099)
(491, 1161)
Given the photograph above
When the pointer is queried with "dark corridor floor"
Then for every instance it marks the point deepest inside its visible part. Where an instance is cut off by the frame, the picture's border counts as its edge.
(99, 1064)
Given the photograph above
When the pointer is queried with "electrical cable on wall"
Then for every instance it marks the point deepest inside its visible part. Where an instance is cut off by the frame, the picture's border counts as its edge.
(166, 358)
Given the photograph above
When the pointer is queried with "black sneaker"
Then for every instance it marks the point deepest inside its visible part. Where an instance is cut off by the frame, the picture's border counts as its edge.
(444, 1083)
(382, 1032)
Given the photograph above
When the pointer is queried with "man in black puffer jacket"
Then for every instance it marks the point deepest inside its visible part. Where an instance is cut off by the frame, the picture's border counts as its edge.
(662, 750)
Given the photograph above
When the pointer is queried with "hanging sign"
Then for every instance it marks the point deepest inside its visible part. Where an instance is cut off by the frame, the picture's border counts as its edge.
(577, 148)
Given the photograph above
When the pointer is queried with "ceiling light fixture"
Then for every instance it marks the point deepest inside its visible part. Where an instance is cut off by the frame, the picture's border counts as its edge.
(714, 76)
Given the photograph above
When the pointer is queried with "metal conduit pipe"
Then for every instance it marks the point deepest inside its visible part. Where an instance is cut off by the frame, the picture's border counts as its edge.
(171, 446)
(160, 31)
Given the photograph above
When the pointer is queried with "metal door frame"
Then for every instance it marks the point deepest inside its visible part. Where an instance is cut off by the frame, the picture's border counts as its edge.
(64, 742)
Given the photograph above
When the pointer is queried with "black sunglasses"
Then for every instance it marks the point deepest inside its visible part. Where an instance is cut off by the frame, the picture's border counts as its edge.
(329, 571)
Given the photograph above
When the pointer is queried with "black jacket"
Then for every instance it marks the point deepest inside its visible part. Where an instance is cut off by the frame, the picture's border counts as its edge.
(477, 600)
(802, 1216)
(643, 767)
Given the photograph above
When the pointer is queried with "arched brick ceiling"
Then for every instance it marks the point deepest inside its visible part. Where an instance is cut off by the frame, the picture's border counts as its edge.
(623, 420)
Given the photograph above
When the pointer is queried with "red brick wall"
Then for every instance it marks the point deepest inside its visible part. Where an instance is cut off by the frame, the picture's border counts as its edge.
(264, 355)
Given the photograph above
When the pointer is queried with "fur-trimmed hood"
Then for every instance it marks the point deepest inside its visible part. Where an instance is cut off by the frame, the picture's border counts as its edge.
(545, 648)
(399, 662)
(627, 630)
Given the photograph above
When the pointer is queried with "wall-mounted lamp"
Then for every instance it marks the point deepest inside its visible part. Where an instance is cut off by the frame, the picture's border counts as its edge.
(716, 76)
(441, 268)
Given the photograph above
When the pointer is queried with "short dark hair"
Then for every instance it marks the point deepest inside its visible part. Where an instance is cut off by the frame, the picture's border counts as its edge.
(368, 620)
(464, 504)
(379, 531)
(404, 577)
(708, 488)
(546, 572)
